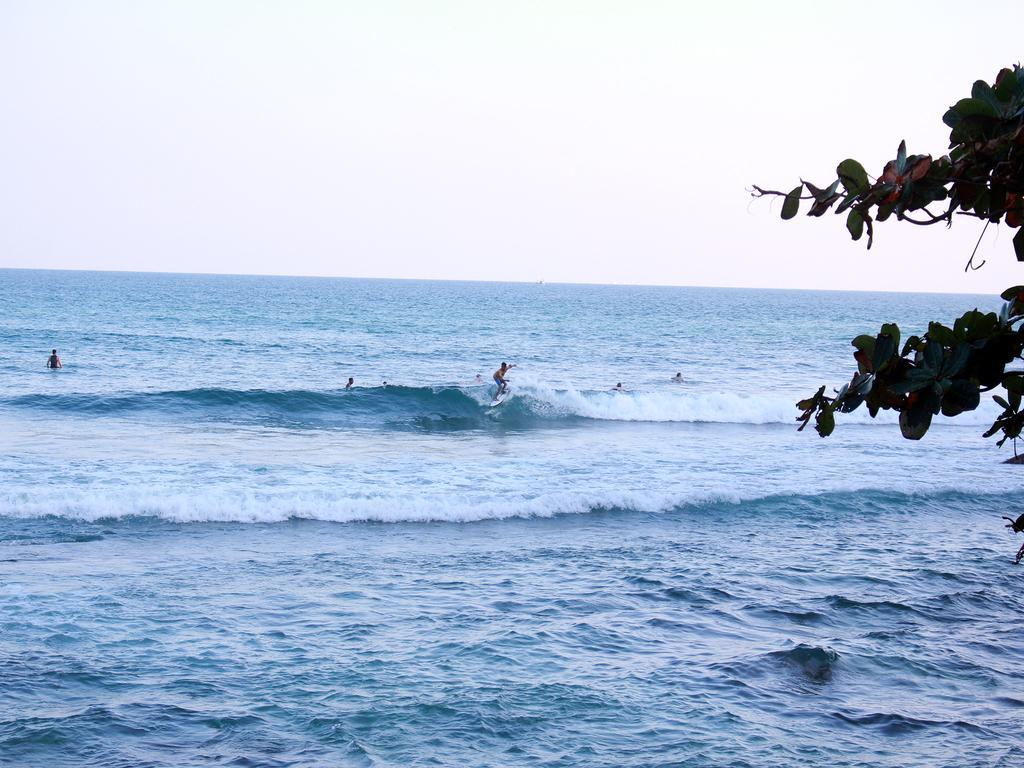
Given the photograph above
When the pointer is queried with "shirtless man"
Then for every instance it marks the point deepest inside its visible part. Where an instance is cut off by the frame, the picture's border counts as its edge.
(351, 383)
(54, 361)
(499, 377)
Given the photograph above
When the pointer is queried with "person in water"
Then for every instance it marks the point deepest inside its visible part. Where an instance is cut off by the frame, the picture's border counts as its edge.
(499, 377)
(54, 361)
(351, 383)
(678, 378)
(619, 388)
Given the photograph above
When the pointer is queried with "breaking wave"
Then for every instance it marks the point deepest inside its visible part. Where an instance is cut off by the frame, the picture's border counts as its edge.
(242, 505)
(441, 407)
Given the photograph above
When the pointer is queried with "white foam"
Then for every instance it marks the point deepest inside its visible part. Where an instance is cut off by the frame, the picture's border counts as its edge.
(700, 407)
(240, 505)
(243, 506)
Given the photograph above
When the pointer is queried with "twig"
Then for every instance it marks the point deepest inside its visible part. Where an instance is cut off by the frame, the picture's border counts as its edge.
(758, 192)
(970, 262)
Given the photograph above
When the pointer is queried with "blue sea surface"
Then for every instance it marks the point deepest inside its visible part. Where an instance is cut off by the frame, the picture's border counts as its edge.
(213, 554)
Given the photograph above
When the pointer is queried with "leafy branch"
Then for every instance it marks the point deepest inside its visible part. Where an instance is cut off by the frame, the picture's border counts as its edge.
(945, 371)
(982, 176)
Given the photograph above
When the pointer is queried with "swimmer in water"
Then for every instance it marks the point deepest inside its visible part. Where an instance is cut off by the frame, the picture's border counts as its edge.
(499, 377)
(479, 379)
(351, 383)
(619, 388)
(678, 378)
(54, 361)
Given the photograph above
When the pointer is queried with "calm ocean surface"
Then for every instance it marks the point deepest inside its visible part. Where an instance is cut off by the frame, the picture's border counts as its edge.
(211, 554)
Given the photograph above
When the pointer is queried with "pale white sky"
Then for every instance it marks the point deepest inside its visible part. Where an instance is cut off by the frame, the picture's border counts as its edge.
(564, 141)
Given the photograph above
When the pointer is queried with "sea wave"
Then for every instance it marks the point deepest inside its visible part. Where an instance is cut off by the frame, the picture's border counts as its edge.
(241, 505)
(444, 407)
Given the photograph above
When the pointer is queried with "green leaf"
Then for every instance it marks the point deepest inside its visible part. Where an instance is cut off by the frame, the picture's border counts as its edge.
(914, 423)
(825, 422)
(971, 128)
(885, 347)
(865, 346)
(1014, 382)
(848, 201)
(791, 206)
(912, 344)
(997, 202)
(933, 356)
(864, 343)
(966, 194)
(975, 326)
(823, 198)
(916, 419)
(1006, 84)
(862, 383)
(855, 224)
(812, 402)
(970, 107)
(901, 158)
(952, 118)
(982, 204)
(820, 194)
(893, 330)
(996, 426)
(962, 395)
(939, 333)
(982, 91)
(853, 176)
(1012, 293)
(916, 380)
(851, 402)
(957, 359)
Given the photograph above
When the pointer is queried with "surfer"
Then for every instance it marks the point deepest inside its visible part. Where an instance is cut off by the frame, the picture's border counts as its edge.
(54, 360)
(479, 379)
(499, 377)
(678, 378)
(1016, 526)
(619, 388)
(351, 383)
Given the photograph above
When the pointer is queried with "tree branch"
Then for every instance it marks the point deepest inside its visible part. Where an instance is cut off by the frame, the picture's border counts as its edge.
(970, 266)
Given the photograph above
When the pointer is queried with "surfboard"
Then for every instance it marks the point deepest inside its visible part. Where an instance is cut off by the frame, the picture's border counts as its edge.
(501, 397)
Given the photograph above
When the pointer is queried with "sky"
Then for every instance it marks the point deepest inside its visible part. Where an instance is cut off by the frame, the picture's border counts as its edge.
(601, 142)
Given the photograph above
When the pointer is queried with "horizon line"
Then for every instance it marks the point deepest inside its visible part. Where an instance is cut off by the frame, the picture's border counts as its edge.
(478, 280)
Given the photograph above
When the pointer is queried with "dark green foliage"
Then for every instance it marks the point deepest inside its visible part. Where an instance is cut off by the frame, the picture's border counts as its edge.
(981, 177)
(947, 369)
(792, 204)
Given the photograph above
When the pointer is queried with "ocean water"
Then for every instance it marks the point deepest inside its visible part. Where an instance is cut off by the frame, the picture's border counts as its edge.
(211, 554)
